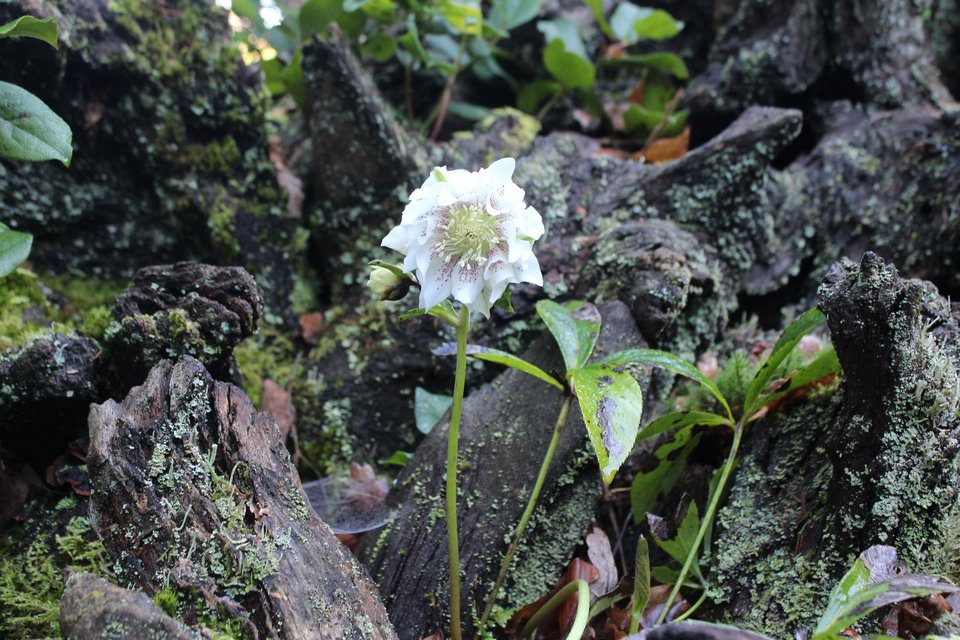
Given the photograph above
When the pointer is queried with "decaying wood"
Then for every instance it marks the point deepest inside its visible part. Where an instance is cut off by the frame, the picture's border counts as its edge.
(193, 489)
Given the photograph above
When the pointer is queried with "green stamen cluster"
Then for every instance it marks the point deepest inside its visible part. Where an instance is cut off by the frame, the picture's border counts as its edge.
(470, 236)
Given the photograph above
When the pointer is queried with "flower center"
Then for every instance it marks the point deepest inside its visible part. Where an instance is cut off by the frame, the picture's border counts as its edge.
(471, 234)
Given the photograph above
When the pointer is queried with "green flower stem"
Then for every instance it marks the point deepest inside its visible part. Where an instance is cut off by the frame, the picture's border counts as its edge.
(707, 519)
(579, 621)
(696, 605)
(453, 439)
(525, 518)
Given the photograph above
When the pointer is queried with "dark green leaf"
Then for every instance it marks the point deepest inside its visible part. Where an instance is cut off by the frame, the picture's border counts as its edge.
(664, 575)
(826, 363)
(570, 69)
(509, 14)
(444, 311)
(30, 130)
(680, 546)
(658, 91)
(504, 303)
(659, 25)
(679, 419)
(636, 117)
(399, 459)
(671, 457)
(612, 403)
(466, 111)
(429, 408)
(565, 31)
(410, 41)
(575, 326)
(273, 76)
(641, 578)
(670, 362)
(14, 248)
(499, 357)
(662, 60)
(30, 27)
(533, 95)
(293, 79)
(246, 9)
(785, 344)
(316, 16)
(380, 47)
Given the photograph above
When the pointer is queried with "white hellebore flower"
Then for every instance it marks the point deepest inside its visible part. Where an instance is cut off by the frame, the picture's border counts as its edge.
(468, 234)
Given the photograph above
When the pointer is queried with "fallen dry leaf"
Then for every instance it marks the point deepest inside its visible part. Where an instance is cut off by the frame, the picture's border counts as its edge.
(601, 556)
(914, 618)
(276, 401)
(666, 149)
(311, 326)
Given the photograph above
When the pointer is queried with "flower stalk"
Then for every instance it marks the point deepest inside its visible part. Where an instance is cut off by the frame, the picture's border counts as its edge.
(453, 440)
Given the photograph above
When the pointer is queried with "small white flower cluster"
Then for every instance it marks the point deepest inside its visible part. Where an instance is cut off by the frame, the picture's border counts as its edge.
(470, 235)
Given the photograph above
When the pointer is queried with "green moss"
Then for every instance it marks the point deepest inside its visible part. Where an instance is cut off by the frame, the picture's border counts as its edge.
(168, 600)
(267, 354)
(25, 312)
(33, 558)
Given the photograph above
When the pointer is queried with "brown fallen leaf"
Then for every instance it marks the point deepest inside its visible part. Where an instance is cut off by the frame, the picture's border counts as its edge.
(914, 618)
(311, 326)
(658, 597)
(666, 149)
(601, 556)
(577, 569)
(276, 401)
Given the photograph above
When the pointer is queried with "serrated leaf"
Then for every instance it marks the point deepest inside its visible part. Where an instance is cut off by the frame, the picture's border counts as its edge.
(679, 419)
(671, 456)
(499, 357)
(30, 27)
(611, 403)
(29, 129)
(14, 248)
(575, 326)
(784, 345)
(670, 362)
(429, 408)
(509, 14)
(570, 69)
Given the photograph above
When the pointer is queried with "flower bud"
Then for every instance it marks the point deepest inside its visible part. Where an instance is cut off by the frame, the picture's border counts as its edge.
(386, 285)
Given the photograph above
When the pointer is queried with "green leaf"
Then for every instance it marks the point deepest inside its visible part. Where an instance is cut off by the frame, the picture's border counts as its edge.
(664, 61)
(664, 575)
(532, 95)
(679, 419)
(464, 17)
(30, 130)
(612, 403)
(273, 76)
(499, 357)
(399, 459)
(670, 362)
(504, 303)
(14, 248)
(316, 16)
(292, 78)
(659, 25)
(857, 596)
(648, 487)
(429, 408)
(30, 27)
(575, 326)
(410, 42)
(680, 546)
(641, 578)
(444, 311)
(596, 6)
(636, 117)
(473, 112)
(380, 47)
(570, 69)
(510, 14)
(566, 31)
(826, 363)
(785, 344)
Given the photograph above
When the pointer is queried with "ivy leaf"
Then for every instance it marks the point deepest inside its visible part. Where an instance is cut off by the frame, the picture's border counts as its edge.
(671, 457)
(30, 130)
(612, 403)
(14, 248)
(670, 362)
(429, 408)
(30, 27)
(678, 419)
(570, 69)
(575, 326)
(510, 14)
(499, 357)
(785, 344)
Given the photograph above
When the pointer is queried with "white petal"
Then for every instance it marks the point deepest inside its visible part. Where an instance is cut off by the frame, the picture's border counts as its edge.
(467, 284)
(398, 239)
(434, 286)
(530, 272)
(500, 172)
